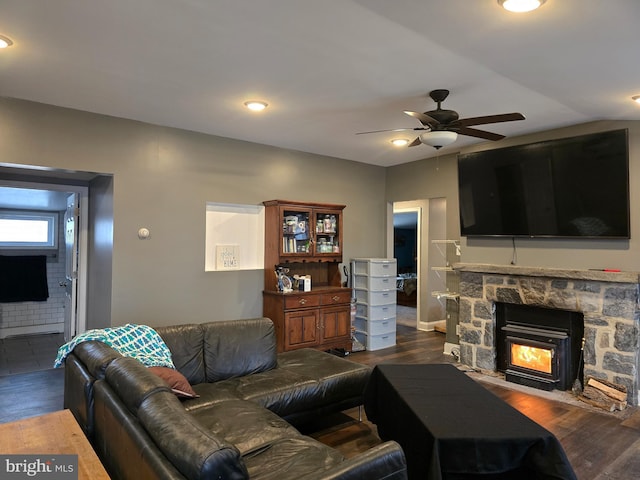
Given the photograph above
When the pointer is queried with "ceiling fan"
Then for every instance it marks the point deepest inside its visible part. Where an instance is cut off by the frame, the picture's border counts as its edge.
(443, 126)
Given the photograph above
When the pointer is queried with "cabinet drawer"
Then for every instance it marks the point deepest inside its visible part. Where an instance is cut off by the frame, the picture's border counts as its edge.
(336, 298)
(301, 301)
(375, 267)
(374, 283)
(375, 327)
(378, 312)
(376, 342)
(376, 298)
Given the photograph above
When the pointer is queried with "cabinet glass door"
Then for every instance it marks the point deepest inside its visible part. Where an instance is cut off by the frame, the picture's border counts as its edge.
(327, 232)
(296, 233)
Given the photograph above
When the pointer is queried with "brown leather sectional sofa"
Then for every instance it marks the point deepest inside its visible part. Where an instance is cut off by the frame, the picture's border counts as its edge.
(241, 425)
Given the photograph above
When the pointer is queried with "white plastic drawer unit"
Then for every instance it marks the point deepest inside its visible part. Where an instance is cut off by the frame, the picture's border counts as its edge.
(376, 312)
(383, 297)
(375, 327)
(374, 283)
(376, 342)
(375, 267)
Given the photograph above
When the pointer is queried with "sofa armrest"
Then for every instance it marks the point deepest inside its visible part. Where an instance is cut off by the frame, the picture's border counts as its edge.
(96, 356)
(78, 393)
(384, 462)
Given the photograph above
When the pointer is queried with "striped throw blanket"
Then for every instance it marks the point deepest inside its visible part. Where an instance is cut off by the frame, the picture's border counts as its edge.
(138, 341)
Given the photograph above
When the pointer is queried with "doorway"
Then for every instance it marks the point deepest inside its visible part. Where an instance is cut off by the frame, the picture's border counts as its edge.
(405, 251)
(419, 282)
(31, 330)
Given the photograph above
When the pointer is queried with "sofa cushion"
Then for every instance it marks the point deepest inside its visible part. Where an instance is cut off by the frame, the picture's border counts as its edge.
(246, 425)
(293, 459)
(238, 347)
(178, 384)
(337, 377)
(186, 345)
(279, 390)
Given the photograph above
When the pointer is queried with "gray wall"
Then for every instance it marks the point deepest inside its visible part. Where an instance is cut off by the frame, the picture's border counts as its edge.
(437, 177)
(162, 179)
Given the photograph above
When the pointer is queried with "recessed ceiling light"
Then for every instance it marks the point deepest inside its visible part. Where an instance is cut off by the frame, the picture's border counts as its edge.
(256, 105)
(636, 98)
(400, 142)
(521, 6)
(5, 42)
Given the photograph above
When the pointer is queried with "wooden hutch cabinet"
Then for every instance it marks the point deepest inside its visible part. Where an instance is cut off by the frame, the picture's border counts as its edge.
(305, 239)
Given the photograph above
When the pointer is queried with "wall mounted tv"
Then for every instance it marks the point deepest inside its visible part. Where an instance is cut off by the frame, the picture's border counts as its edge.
(571, 187)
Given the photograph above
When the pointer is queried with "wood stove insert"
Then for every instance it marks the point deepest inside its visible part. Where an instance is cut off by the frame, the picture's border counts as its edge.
(539, 347)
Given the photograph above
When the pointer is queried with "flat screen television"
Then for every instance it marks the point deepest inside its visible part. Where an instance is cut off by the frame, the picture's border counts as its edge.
(571, 187)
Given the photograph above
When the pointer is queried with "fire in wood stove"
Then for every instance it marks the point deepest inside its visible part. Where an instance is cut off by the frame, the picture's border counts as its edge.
(531, 358)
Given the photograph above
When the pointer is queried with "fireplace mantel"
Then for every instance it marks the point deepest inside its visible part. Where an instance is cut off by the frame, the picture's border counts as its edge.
(515, 270)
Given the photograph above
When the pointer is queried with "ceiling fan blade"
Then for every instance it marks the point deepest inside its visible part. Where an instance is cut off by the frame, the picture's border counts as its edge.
(474, 132)
(425, 119)
(415, 143)
(505, 117)
(393, 130)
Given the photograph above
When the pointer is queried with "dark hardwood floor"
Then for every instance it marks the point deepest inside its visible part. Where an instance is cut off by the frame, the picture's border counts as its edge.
(26, 395)
(599, 445)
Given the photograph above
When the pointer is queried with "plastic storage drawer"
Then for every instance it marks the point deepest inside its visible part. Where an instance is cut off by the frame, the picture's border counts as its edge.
(376, 342)
(374, 283)
(384, 297)
(375, 267)
(377, 312)
(375, 327)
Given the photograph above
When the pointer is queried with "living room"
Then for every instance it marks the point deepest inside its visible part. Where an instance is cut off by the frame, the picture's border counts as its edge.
(161, 177)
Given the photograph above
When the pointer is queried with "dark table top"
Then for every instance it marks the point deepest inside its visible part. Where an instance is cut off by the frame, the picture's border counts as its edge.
(451, 427)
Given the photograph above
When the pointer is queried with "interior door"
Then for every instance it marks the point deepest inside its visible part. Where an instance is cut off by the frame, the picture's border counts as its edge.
(71, 217)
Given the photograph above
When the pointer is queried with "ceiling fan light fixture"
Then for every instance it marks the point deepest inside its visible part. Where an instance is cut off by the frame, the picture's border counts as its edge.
(399, 142)
(636, 98)
(521, 6)
(438, 138)
(256, 105)
(5, 42)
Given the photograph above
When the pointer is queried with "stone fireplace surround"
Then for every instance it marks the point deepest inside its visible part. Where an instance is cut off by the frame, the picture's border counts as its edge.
(608, 301)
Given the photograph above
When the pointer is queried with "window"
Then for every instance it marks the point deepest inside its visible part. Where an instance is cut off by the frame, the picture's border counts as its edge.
(28, 230)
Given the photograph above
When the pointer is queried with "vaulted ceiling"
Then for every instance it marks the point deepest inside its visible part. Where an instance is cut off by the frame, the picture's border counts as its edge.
(328, 69)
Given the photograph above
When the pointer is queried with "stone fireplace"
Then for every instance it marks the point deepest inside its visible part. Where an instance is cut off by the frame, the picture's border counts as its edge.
(608, 302)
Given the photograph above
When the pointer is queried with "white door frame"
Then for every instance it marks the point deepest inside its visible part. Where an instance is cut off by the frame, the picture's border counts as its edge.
(83, 239)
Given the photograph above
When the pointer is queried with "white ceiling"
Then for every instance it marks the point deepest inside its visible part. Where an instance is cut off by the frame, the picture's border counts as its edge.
(328, 68)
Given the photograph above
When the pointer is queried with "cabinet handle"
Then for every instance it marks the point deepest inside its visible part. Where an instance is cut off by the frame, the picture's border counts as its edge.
(302, 301)
(335, 298)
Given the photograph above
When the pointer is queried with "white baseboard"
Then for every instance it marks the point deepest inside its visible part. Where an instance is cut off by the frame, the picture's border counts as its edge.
(431, 326)
(31, 330)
